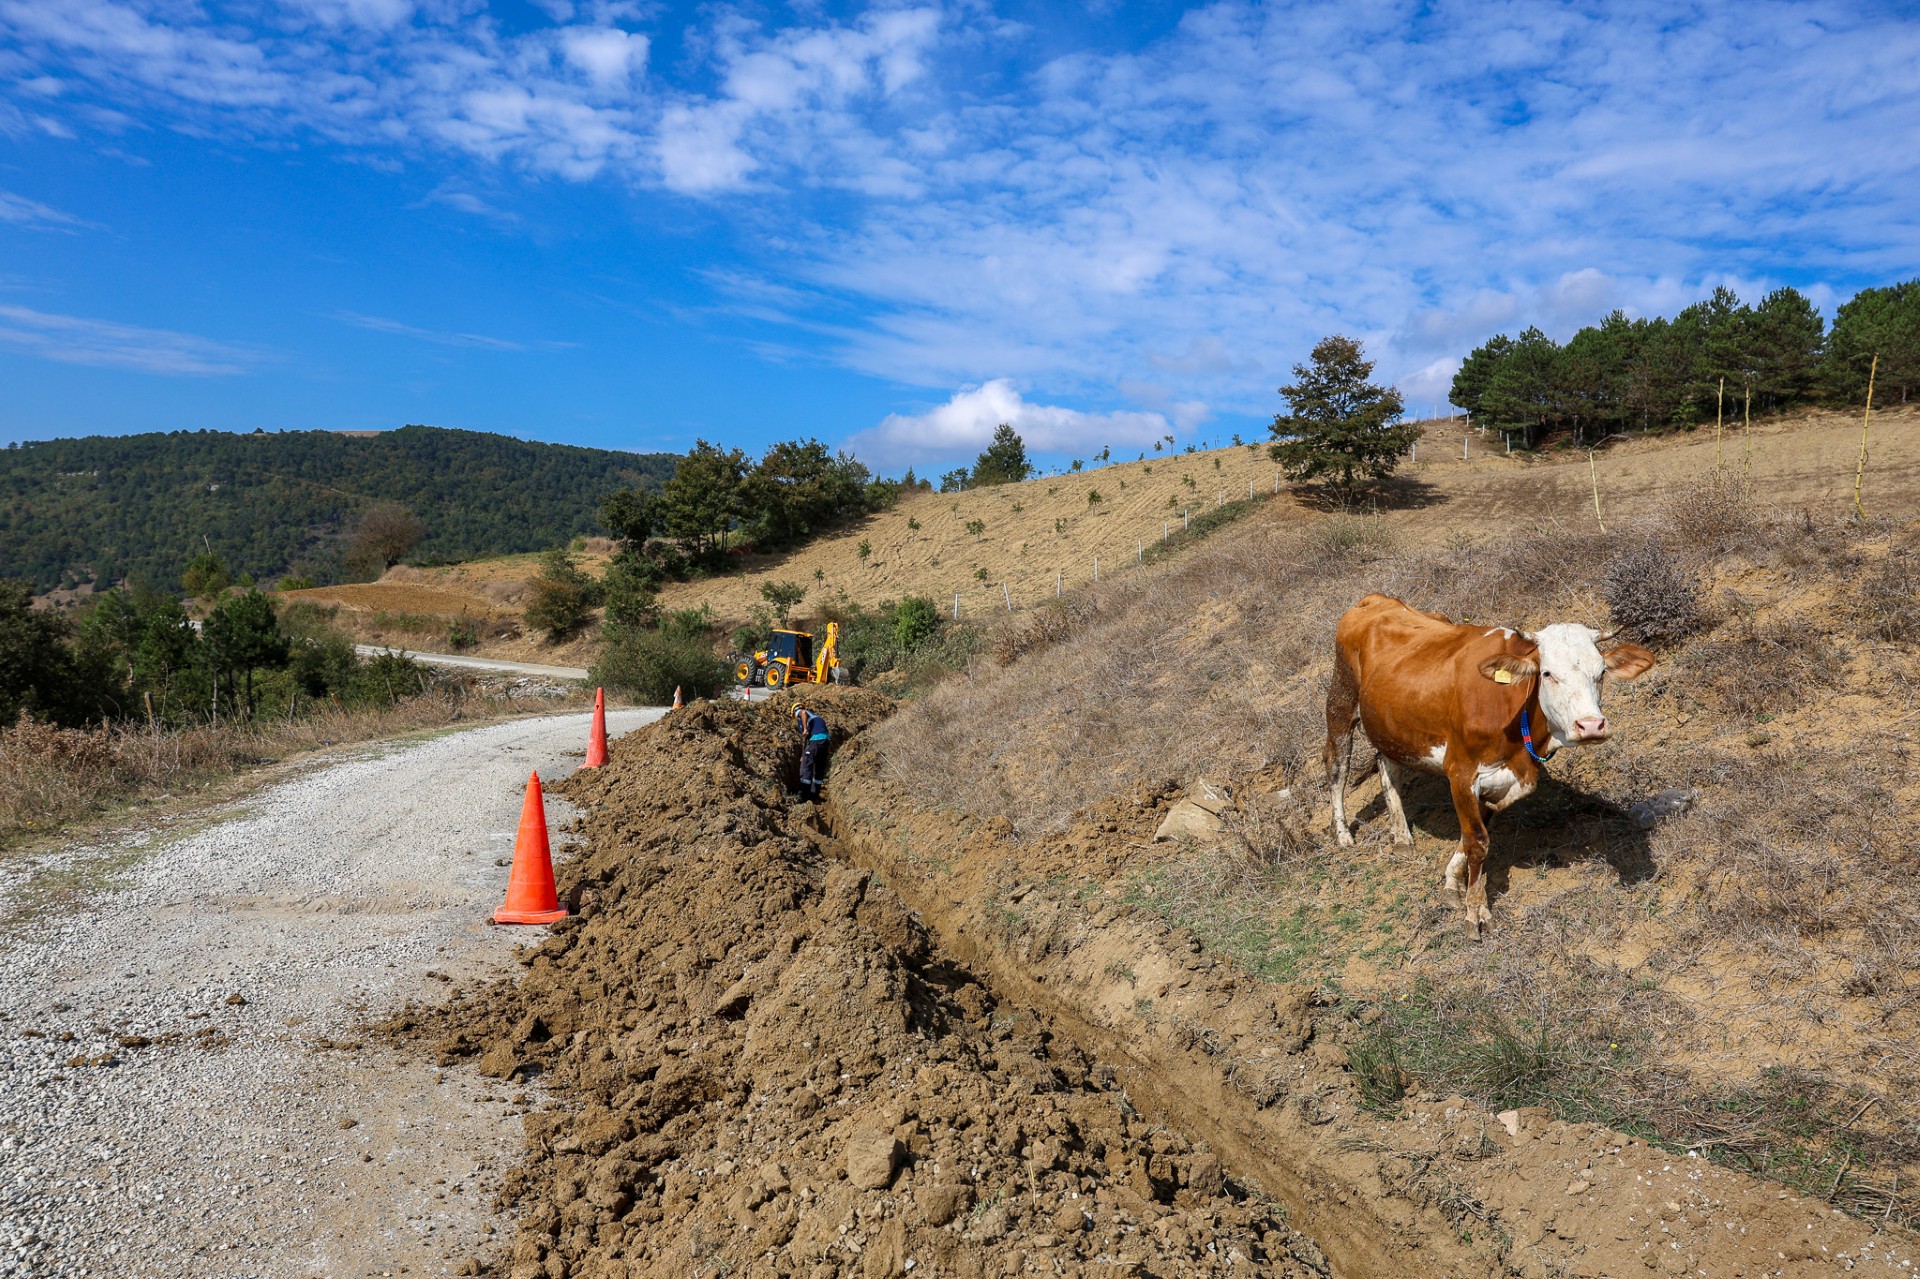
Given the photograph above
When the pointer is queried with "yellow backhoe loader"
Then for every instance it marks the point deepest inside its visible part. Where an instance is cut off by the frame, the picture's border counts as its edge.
(789, 658)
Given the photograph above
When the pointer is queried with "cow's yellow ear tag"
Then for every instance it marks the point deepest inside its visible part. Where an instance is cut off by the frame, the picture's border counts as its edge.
(1503, 677)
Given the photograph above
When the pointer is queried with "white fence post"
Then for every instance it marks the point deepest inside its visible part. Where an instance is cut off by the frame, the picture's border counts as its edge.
(1276, 481)
(1056, 583)
(956, 606)
(1009, 594)
(1463, 448)
(1186, 517)
(1140, 552)
(1096, 568)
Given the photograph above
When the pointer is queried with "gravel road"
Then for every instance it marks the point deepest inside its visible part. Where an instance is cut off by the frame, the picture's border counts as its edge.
(185, 1087)
(476, 663)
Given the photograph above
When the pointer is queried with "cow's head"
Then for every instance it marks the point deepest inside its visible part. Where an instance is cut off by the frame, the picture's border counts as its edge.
(1571, 668)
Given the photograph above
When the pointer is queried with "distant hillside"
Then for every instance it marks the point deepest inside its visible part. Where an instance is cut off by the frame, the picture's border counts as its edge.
(103, 508)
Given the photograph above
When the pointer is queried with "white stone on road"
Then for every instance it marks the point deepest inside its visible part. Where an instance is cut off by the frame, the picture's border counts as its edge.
(261, 1132)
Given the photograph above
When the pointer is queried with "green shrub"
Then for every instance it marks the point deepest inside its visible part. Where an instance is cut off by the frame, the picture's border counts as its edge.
(627, 590)
(563, 597)
(915, 620)
(649, 663)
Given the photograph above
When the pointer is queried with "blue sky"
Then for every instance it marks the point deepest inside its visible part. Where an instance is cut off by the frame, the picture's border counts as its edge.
(624, 224)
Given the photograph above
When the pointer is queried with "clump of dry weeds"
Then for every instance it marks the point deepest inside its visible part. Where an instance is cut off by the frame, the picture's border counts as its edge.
(1652, 594)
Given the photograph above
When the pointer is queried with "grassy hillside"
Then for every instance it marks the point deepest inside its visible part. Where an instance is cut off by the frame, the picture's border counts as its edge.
(1731, 979)
(1044, 531)
(103, 508)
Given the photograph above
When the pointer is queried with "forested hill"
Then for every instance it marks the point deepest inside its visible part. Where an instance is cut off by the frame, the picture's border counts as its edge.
(104, 508)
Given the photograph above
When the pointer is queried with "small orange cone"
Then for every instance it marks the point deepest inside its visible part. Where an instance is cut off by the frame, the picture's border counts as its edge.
(597, 739)
(531, 898)
(676, 697)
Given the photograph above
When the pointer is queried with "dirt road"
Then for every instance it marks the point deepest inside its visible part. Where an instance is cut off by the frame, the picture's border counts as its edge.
(184, 1084)
(477, 663)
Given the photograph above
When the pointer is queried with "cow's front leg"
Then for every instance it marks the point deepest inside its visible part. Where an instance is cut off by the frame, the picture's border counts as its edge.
(1472, 857)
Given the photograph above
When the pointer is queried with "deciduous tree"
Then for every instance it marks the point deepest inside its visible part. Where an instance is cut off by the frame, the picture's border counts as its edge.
(384, 535)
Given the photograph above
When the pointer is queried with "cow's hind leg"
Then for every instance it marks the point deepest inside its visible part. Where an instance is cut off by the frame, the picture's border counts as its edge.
(1390, 777)
(1473, 851)
(1343, 710)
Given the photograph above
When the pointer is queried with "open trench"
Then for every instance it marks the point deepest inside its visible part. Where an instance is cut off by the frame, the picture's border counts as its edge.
(854, 1039)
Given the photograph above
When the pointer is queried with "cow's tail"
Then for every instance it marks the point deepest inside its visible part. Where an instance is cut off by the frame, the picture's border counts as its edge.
(1343, 707)
(1343, 712)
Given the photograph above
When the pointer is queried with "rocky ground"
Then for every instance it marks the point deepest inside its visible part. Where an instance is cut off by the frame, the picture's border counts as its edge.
(186, 1086)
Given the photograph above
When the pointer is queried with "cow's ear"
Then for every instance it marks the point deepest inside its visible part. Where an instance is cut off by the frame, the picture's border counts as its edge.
(1628, 661)
(1508, 669)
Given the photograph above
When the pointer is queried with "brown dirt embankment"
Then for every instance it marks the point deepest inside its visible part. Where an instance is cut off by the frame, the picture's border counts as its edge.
(764, 1063)
(1255, 1070)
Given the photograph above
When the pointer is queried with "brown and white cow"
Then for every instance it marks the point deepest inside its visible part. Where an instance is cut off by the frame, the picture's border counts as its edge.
(1481, 706)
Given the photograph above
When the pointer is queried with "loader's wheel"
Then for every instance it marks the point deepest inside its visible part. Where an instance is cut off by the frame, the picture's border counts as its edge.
(775, 676)
(743, 673)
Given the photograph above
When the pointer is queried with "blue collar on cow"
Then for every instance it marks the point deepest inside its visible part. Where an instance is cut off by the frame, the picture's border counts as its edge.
(1526, 737)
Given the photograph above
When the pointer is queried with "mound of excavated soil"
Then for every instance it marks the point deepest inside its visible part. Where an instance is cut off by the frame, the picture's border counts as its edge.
(762, 1063)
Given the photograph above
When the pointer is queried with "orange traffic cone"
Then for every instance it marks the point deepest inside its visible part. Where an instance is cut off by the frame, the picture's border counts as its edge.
(676, 697)
(531, 898)
(597, 738)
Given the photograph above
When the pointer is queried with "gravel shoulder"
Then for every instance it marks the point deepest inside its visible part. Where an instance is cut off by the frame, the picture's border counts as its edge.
(228, 1115)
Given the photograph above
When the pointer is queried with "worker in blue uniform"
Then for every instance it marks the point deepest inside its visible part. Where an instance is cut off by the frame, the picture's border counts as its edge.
(813, 753)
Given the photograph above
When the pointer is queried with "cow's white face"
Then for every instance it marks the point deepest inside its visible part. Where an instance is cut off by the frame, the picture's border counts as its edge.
(1573, 671)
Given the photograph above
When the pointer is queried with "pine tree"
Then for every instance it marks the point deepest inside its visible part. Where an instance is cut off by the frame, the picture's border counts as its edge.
(700, 503)
(1005, 460)
(242, 634)
(1787, 339)
(1344, 430)
(1527, 390)
(1476, 372)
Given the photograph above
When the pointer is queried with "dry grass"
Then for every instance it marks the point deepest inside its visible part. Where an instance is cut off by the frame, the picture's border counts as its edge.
(1737, 979)
(52, 778)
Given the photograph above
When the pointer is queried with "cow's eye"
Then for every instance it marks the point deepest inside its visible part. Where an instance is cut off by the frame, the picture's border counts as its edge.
(1548, 675)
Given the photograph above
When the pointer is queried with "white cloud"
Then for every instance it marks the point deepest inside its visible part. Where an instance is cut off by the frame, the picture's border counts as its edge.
(1428, 387)
(74, 339)
(964, 425)
(380, 324)
(968, 199)
(17, 210)
(609, 56)
(379, 15)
